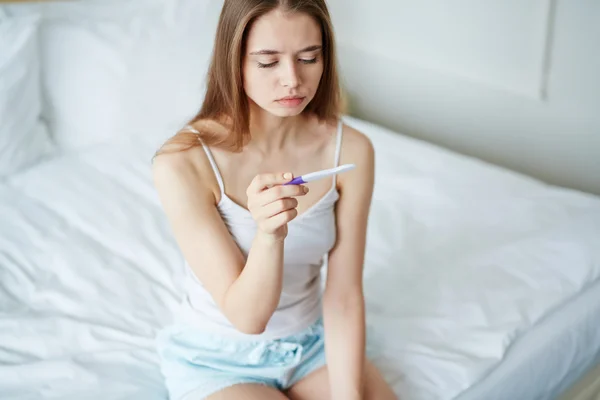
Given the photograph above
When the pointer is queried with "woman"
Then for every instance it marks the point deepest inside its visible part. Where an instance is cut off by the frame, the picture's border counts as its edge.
(254, 324)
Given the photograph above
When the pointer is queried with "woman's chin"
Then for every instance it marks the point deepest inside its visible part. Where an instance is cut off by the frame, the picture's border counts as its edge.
(287, 111)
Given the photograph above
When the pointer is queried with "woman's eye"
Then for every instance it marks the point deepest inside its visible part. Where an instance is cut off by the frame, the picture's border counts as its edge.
(302, 60)
(261, 65)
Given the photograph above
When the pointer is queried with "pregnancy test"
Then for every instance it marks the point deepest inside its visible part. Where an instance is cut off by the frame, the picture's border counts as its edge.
(313, 176)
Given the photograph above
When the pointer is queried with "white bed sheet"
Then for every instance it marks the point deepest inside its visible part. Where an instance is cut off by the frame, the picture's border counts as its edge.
(462, 258)
(552, 356)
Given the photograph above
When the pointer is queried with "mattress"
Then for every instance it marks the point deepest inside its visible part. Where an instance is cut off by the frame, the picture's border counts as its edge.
(464, 261)
(553, 355)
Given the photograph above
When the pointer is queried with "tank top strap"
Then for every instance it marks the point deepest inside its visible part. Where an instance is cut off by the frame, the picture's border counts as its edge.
(338, 147)
(211, 160)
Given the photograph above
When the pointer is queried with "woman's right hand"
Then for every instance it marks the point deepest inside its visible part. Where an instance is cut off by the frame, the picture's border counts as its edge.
(273, 204)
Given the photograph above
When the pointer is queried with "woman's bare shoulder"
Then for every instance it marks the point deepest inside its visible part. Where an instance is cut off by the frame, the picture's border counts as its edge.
(179, 154)
(356, 146)
(182, 161)
(357, 149)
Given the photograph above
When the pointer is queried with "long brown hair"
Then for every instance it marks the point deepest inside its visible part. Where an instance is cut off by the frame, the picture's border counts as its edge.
(225, 107)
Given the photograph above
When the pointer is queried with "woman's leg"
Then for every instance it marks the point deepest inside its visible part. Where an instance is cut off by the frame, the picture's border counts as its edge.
(315, 386)
(245, 391)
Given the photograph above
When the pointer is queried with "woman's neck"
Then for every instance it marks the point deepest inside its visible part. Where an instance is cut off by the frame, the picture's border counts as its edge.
(270, 133)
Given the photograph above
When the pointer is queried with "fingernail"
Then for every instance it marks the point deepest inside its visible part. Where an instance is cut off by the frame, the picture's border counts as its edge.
(287, 175)
(305, 189)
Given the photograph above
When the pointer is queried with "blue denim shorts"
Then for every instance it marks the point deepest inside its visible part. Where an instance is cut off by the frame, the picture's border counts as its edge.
(200, 364)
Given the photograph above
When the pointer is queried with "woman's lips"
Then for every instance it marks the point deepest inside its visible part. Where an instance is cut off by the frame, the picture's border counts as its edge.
(293, 101)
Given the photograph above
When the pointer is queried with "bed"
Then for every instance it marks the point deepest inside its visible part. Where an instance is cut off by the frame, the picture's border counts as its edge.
(481, 283)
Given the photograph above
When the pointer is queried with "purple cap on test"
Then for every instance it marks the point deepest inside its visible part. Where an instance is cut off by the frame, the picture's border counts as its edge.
(296, 181)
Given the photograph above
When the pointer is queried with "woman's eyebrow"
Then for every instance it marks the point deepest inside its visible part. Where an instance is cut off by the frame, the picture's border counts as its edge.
(271, 52)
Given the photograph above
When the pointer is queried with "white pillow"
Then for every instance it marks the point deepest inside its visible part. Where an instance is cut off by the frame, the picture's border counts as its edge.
(24, 139)
(117, 69)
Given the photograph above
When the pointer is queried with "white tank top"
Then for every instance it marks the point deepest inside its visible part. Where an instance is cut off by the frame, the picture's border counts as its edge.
(311, 235)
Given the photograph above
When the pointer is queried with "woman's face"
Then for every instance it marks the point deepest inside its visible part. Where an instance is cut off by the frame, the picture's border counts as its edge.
(283, 63)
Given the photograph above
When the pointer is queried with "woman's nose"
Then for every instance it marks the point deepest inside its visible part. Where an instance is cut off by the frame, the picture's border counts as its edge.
(289, 77)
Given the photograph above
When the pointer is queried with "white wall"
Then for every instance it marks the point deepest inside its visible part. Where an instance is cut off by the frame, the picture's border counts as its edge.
(515, 83)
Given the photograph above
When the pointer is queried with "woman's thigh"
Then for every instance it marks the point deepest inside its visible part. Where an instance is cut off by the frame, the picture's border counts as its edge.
(316, 386)
(245, 391)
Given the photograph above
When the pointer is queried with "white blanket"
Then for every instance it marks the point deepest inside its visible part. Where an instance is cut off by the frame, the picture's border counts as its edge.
(462, 258)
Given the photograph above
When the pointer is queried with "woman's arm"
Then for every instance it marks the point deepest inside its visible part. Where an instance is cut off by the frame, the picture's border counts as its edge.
(246, 291)
(343, 302)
